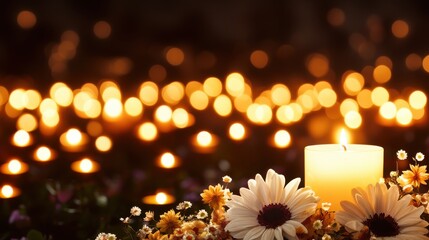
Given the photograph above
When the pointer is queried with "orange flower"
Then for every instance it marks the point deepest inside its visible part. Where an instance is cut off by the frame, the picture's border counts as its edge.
(214, 196)
(416, 176)
(157, 236)
(169, 221)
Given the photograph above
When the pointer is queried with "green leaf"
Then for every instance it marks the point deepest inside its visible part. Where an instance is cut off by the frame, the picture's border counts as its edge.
(35, 235)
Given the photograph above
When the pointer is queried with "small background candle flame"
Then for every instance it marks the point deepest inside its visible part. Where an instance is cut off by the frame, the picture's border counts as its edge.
(343, 139)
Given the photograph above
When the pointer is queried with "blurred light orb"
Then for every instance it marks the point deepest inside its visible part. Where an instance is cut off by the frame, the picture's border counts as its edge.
(400, 28)
(43, 154)
(14, 166)
(212, 87)
(113, 108)
(167, 160)
(175, 56)
(318, 65)
(7, 191)
(92, 108)
(379, 96)
(133, 106)
(18, 99)
(388, 110)
(280, 94)
(61, 94)
(237, 131)
(27, 122)
(33, 99)
(74, 136)
(382, 74)
(180, 118)
(222, 105)
(327, 97)
(147, 131)
(417, 99)
(235, 84)
(204, 138)
(161, 198)
(404, 116)
(173, 92)
(102, 29)
(163, 113)
(26, 19)
(199, 100)
(148, 93)
(103, 143)
(259, 59)
(86, 165)
(282, 139)
(353, 119)
(21, 138)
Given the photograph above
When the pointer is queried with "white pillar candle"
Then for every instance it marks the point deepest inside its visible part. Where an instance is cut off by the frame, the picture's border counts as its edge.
(332, 170)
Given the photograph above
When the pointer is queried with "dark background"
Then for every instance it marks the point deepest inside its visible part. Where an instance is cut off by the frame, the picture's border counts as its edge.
(226, 33)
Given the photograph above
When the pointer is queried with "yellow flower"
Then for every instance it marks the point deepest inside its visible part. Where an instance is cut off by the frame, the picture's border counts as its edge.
(214, 196)
(416, 176)
(169, 221)
(196, 226)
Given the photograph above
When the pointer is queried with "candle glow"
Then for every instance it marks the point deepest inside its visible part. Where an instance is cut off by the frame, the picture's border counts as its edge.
(85, 166)
(9, 191)
(160, 198)
(14, 167)
(332, 171)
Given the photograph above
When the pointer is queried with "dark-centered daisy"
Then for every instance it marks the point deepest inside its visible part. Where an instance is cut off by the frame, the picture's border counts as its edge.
(385, 215)
(270, 210)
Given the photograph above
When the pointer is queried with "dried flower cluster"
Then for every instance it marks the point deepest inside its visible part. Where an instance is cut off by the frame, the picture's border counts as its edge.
(271, 209)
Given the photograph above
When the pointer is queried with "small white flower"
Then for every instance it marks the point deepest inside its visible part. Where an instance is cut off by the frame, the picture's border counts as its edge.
(184, 205)
(106, 236)
(135, 211)
(420, 156)
(317, 224)
(148, 216)
(326, 237)
(401, 154)
(226, 179)
(326, 206)
(146, 229)
(393, 174)
(202, 214)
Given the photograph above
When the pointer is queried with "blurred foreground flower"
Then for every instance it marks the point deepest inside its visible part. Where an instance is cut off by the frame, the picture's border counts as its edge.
(382, 214)
(269, 209)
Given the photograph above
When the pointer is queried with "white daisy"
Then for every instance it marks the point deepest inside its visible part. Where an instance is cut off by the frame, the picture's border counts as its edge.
(106, 236)
(270, 210)
(385, 215)
(401, 154)
(202, 214)
(420, 156)
(135, 211)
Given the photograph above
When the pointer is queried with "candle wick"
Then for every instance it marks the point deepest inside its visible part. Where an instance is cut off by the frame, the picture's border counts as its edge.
(344, 147)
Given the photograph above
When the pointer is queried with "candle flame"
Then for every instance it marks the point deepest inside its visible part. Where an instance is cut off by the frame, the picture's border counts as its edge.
(86, 165)
(343, 139)
(161, 198)
(7, 191)
(14, 166)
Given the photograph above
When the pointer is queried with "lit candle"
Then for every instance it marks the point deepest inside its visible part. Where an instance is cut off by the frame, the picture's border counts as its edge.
(160, 198)
(332, 170)
(73, 140)
(9, 191)
(85, 166)
(14, 167)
